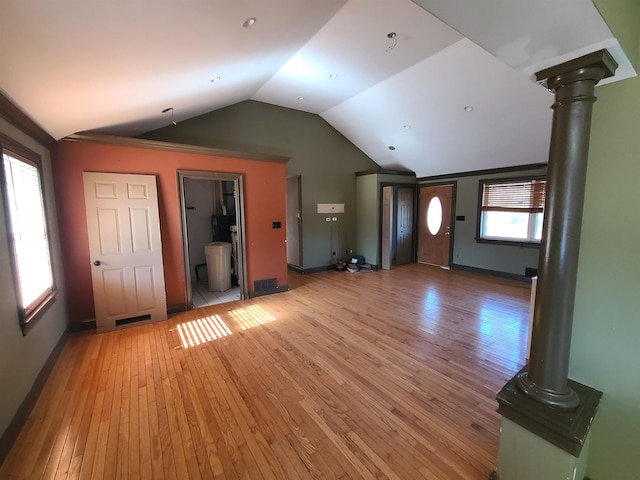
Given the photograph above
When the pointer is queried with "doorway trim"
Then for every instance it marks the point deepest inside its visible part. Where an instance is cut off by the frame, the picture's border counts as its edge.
(237, 179)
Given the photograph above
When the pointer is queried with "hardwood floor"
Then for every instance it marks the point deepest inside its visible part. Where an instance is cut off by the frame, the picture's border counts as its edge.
(389, 374)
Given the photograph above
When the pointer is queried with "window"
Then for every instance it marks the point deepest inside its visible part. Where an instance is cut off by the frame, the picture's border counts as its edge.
(511, 210)
(28, 235)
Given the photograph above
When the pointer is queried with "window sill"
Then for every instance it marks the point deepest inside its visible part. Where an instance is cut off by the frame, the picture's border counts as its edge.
(27, 322)
(512, 243)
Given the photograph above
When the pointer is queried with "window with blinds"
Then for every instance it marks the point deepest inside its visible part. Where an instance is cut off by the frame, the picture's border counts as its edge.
(28, 237)
(512, 210)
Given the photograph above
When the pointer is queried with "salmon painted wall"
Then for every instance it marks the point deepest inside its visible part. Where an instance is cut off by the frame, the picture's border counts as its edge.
(264, 197)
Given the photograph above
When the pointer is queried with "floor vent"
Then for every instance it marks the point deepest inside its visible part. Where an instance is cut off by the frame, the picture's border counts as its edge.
(265, 284)
(126, 321)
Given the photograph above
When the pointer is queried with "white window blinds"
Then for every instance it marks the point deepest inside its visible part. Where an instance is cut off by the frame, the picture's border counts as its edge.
(28, 231)
(519, 196)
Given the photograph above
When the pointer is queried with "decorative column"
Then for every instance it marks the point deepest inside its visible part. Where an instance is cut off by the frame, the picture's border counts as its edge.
(573, 83)
(541, 399)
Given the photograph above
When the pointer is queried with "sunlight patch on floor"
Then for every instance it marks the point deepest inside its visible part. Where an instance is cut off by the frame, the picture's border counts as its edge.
(250, 317)
(213, 327)
(202, 330)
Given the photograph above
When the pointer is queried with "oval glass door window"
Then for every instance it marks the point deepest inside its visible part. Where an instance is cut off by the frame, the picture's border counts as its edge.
(434, 215)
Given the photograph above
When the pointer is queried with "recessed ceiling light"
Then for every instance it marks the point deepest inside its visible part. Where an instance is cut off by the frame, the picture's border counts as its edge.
(333, 75)
(392, 148)
(300, 98)
(249, 22)
(216, 79)
(407, 127)
(167, 110)
(468, 108)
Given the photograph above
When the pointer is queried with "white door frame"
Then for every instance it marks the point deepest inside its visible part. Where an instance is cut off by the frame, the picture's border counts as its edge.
(237, 179)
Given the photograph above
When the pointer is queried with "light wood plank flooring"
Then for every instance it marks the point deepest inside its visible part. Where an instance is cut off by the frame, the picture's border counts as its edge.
(389, 374)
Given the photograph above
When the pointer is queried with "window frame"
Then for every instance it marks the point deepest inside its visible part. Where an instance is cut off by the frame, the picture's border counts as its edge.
(30, 314)
(504, 241)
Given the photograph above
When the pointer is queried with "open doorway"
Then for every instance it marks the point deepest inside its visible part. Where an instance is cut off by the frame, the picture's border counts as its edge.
(213, 237)
(294, 221)
(397, 225)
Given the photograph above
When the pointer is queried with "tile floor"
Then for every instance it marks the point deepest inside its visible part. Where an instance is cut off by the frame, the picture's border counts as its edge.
(201, 296)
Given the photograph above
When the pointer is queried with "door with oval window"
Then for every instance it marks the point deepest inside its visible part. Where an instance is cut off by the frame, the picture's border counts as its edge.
(434, 243)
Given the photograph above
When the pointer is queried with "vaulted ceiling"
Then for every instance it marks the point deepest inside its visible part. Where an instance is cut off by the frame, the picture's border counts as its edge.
(431, 86)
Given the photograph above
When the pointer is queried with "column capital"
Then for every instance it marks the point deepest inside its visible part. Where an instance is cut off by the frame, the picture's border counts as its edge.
(602, 60)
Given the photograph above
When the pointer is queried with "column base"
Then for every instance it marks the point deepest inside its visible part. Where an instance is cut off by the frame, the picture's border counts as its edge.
(564, 401)
(523, 455)
(566, 429)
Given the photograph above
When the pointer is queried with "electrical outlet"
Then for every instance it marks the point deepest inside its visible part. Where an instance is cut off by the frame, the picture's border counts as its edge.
(334, 219)
(328, 219)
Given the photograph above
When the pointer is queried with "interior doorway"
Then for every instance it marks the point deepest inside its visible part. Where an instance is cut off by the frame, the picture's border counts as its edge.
(294, 221)
(397, 225)
(213, 237)
(435, 220)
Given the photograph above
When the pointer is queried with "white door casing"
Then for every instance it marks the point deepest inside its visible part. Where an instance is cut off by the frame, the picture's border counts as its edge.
(125, 250)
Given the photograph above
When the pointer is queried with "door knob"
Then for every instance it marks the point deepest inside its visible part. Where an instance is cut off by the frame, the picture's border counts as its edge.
(97, 263)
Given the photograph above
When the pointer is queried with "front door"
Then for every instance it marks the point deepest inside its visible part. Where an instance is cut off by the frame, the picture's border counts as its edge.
(434, 243)
(125, 250)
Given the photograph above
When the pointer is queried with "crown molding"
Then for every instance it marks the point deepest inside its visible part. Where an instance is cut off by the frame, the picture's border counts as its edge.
(171, 147)
(16, 117)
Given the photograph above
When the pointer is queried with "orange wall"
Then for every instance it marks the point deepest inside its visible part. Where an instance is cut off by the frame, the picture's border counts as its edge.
(264, 191)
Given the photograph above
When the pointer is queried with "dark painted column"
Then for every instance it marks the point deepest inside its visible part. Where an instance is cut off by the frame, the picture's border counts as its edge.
(546, 380)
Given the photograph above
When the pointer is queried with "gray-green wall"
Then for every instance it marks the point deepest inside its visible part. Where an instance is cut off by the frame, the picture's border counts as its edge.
(469, 253)
(369, 204)
(605, 350)
(22, 357)
(323, 157)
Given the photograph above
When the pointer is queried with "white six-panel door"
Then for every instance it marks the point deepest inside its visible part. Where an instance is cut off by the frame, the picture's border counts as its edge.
(125, 250)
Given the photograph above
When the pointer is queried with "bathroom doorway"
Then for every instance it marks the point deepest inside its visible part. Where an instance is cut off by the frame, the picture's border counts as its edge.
(212, 216)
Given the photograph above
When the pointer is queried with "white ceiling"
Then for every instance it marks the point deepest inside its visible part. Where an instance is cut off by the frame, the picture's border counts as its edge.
(113, 66)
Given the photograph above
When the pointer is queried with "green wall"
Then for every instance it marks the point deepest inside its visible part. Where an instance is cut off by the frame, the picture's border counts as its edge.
(324, 158)
(368, 218)
(623, 18)
(469, 253)
(605, 352)
(22, 357)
